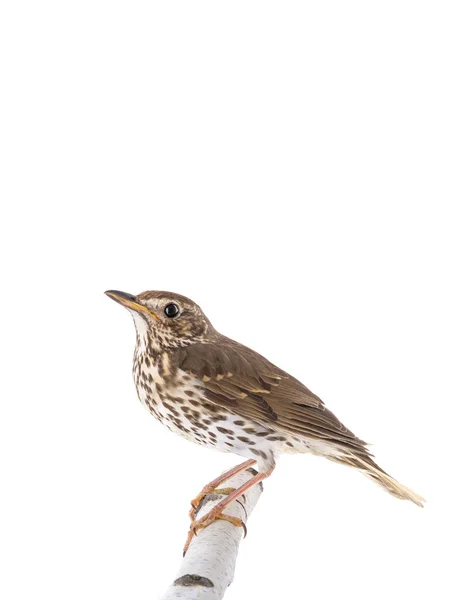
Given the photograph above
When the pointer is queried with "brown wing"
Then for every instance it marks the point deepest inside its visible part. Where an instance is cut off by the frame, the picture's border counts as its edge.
(247, 384)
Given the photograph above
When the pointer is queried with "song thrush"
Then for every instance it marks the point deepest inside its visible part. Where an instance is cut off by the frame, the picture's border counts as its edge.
(219, 393)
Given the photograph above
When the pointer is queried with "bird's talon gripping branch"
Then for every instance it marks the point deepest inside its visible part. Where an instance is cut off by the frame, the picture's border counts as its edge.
(202, 523)
(217, 511)
(195, 503)
(212, 487)
(234, 520)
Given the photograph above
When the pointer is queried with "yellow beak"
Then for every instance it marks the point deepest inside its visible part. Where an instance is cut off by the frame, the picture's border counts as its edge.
(129, 301)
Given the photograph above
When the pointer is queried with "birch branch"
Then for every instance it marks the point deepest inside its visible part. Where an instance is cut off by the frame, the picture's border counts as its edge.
(208, 567)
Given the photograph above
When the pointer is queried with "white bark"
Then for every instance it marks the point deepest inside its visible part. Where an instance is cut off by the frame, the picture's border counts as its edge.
(208, 567)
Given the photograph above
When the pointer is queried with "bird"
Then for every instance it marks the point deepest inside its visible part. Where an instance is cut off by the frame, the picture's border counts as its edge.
(218, 393)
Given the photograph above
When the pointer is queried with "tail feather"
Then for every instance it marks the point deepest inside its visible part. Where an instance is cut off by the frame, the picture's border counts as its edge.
(371, 470)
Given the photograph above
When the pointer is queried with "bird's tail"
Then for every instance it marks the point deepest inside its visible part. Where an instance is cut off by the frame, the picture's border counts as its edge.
(371, 470)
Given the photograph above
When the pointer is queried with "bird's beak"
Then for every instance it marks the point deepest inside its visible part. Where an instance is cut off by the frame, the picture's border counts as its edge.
(129, 301)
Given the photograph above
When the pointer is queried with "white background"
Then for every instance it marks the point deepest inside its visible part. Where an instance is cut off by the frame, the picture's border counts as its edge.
(300, 170)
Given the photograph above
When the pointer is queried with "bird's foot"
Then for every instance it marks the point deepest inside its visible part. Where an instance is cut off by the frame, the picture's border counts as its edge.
(208, 489)
(212, 487)
(207, 520)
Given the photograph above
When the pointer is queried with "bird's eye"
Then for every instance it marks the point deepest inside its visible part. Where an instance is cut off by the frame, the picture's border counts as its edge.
(171, 310)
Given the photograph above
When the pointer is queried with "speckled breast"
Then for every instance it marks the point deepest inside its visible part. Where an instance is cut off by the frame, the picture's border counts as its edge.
(177, 400)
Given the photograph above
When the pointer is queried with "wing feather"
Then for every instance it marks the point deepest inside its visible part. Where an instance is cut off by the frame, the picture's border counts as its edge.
(247, 384)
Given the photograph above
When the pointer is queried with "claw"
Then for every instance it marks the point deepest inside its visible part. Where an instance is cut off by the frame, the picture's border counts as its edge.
(212, 486)
(231, 494)
(202, 523)
(195, 503)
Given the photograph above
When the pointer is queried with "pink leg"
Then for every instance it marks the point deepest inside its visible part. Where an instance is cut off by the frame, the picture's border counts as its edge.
(212, 486)
(216, 512)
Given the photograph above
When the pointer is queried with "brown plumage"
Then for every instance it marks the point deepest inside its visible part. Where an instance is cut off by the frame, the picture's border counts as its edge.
(247, 384)
(217, 392)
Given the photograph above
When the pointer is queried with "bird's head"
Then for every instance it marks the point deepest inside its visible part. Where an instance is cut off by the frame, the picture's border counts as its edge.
(165, 319)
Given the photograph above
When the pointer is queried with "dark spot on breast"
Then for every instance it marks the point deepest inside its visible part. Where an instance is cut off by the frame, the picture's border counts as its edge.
(170, 407)
(218, 418)
(246, 440)
(154, 412)
(173, 399)
(223, 430)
